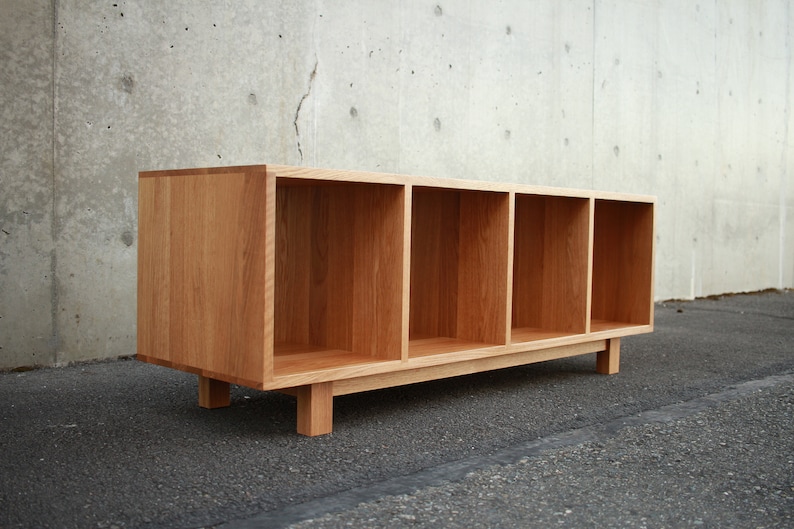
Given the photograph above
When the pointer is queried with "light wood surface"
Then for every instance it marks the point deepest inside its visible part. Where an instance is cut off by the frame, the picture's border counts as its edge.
(482, 274)
(297, 358)
(459, 254)
(201, 273)
(532, 334)
(213, 393)
(608, 360)
(598, 326)
(309, 174)
(324, 282)
(339, 275)
(468, 367)
(438, 345)
(315, 409)
(435, 235)
(550, 264)
(623, 262)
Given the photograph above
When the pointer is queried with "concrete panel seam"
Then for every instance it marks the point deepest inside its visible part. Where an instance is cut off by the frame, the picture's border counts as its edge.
(54, 290)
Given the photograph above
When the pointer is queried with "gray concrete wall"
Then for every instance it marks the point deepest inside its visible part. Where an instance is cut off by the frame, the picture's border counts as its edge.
(690, 101)
(28, 296)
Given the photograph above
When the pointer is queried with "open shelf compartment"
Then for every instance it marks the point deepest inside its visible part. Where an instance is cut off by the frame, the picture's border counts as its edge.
(459, 249)
(622, 294)
(550, 265)
(338, 274)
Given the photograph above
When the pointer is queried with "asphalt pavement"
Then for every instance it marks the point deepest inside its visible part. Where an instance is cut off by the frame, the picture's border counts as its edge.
(697, 430)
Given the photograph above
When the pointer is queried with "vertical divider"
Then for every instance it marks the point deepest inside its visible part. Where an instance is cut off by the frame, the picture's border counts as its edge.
(270, 267)
(511, 229)
(406, 272)
(651, 309)
(590, 251)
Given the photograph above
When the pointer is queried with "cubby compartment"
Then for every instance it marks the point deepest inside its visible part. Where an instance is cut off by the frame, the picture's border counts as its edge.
(338, 274)
(550, 265)
(459, 250)
(622, 294)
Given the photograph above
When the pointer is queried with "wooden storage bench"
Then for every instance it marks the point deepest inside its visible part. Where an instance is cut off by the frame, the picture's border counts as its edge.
(321, 283)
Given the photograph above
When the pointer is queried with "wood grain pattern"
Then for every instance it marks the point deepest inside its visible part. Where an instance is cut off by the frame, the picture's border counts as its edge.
(213, 393)
(482, 274)
(337, 281)
(268, 333)
(623, 262)
(293, 270)
(292, 358)
(453, 369)
(550, 264)
(533, 334)
(241, 381)
(378, 271)
(459, 255)
(339, 269)
(439, 344)
(405, 325)
(435, 232)
(608, 360)
(315, 409)
(202, 271)
(295, 174)
(154, 277)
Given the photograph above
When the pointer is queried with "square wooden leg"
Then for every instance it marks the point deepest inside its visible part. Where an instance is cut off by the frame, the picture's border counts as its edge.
(608, 362)
(213, 393)
(315, 409)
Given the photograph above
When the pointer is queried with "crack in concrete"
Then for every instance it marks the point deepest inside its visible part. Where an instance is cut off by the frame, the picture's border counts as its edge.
(312, 75)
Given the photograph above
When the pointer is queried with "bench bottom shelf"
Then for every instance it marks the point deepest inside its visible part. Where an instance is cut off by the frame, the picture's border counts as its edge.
(291, 358)
(433, 345)
(532, 334)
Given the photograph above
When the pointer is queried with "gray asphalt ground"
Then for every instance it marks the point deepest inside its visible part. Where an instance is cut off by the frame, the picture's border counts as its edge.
(697, 430)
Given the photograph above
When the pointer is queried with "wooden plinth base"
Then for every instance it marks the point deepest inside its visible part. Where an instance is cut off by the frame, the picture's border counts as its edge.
(315, 409)
(316, 401)
(213, 393)
(608, 361)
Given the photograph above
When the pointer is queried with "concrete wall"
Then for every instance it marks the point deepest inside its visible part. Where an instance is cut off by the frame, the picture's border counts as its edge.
(690, 101)
(28, 296)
